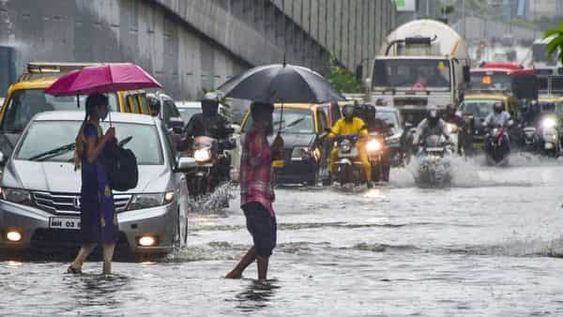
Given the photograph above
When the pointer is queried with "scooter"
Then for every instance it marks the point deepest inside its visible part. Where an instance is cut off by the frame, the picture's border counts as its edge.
(550, 137)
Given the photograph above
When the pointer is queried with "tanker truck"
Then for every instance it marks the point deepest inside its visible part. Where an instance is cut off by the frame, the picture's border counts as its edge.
(421, 63)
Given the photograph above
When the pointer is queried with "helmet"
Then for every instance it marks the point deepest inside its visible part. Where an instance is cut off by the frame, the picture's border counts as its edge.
(348, 112)
(153, 102)
(432, 116)
(498, 107)
(210, 104)
(371, 110)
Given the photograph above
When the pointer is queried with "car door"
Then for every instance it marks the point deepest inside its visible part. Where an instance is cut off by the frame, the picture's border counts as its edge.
(178, 179)
(322, 142)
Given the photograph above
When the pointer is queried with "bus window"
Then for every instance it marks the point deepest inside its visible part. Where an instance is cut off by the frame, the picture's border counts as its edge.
(143, 103)
(133, 104)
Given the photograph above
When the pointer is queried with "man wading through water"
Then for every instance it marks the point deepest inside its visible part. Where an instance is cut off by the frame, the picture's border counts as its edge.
(257, 191)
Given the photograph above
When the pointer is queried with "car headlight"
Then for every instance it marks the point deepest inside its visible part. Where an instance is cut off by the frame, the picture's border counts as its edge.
(202, 155)
(18, 196)
(142, 201)
(549, 123)
(374, 145)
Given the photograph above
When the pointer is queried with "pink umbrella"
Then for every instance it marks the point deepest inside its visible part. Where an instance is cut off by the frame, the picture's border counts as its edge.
(103, 78)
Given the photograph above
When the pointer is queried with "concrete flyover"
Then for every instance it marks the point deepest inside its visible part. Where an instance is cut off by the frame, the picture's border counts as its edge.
(192, 45)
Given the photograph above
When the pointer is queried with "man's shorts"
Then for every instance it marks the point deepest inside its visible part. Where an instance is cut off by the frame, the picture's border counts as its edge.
(262, 226)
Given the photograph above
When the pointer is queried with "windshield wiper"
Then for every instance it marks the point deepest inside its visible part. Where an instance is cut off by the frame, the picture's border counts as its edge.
(292, 124)
(53, 153)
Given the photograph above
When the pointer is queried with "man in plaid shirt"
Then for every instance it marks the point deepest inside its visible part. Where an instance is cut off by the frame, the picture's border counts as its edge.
(257, 191)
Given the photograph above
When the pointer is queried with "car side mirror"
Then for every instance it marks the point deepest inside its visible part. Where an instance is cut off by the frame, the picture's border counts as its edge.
(184, 163)
(391, 125)
(177, 125)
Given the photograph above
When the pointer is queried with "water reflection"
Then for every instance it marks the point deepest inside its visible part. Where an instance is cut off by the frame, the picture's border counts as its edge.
(91, 290)
(256, 296)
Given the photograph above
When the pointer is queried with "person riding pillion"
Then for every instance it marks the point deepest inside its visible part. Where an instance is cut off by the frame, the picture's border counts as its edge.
(349, 125)
(431, 125)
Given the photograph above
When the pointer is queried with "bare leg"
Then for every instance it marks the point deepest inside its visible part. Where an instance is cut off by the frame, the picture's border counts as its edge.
(262, 267)
(83, 254)
(108, 255)
(246, 260)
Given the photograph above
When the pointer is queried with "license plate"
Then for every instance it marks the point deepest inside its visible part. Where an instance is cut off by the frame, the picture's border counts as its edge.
(66, 223)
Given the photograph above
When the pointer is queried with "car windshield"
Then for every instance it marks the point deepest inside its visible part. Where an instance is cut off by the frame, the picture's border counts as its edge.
(412, 74)
(491, 80)
(45, 136)
(390, 117)
(187, 113)
(26, 103)
(293, 121)
(478, 108)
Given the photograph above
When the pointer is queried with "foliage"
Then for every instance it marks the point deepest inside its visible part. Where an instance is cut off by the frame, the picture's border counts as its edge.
(343, 80)
(555, 46)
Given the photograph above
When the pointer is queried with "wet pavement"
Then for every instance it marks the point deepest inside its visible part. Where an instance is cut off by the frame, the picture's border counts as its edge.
(489, 245)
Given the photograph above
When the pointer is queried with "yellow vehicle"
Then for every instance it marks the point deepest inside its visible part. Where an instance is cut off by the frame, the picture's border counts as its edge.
(478, 105)
(26, 97)
(303, 127)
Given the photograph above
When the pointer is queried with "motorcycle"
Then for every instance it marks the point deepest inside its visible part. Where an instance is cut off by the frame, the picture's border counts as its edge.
(497, 146)
(530, 139)
(378, 157)
(348, 165)
(212, 165)
(434, 168)
(550, 137)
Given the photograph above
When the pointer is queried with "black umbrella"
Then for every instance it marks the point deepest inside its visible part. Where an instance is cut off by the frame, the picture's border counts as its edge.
(281, 83)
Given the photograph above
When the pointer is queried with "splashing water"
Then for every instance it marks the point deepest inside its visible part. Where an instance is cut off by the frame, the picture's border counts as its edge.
(214, 202)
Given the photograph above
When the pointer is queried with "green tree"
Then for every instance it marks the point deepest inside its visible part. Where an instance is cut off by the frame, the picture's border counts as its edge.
(343, 80)
(555, 45)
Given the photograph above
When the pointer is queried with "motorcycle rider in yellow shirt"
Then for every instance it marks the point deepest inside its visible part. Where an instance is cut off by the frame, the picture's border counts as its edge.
(348, 125)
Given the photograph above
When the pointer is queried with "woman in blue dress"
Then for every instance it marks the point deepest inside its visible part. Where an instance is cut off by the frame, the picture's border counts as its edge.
(98, 221)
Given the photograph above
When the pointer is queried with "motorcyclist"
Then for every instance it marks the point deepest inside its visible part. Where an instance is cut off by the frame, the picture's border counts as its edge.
(498, 117)
(530, 114)
(379, 126)
(208, 123)
(349, 125)
(211, 124)
(450, 116)
(431, 125)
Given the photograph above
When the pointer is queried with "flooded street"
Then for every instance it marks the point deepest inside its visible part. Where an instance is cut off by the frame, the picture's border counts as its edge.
(489, 245)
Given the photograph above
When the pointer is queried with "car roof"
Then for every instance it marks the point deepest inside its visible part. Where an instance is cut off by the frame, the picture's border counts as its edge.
(188, 104)
(77, 115)
(491, 96)
(297, 106)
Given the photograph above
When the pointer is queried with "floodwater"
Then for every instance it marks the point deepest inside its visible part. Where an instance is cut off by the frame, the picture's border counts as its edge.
(489, 245)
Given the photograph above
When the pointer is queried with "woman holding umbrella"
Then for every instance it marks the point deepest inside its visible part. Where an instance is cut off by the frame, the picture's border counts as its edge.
(98, 221)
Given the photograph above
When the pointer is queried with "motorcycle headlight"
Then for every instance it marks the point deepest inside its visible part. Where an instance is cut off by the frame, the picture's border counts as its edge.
(142, 201)
(18, 196)
(549, 123)
(373, 146)
(452, 128)
(202, 155)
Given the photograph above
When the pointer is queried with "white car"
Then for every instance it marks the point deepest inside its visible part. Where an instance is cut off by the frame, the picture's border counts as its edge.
(40, 190)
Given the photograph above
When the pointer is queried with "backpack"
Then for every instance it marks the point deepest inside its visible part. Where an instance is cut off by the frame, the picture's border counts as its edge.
(121, 167)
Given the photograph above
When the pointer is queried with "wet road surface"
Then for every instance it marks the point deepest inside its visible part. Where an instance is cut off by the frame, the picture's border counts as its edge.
(490, 245)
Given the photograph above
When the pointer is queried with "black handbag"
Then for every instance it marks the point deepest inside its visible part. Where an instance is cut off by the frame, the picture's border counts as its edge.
(121, 166)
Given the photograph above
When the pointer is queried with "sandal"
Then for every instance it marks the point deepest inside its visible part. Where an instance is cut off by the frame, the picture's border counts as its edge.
(72, 270)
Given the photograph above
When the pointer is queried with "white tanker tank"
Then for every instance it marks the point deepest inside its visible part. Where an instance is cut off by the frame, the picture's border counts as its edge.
(421, 63)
